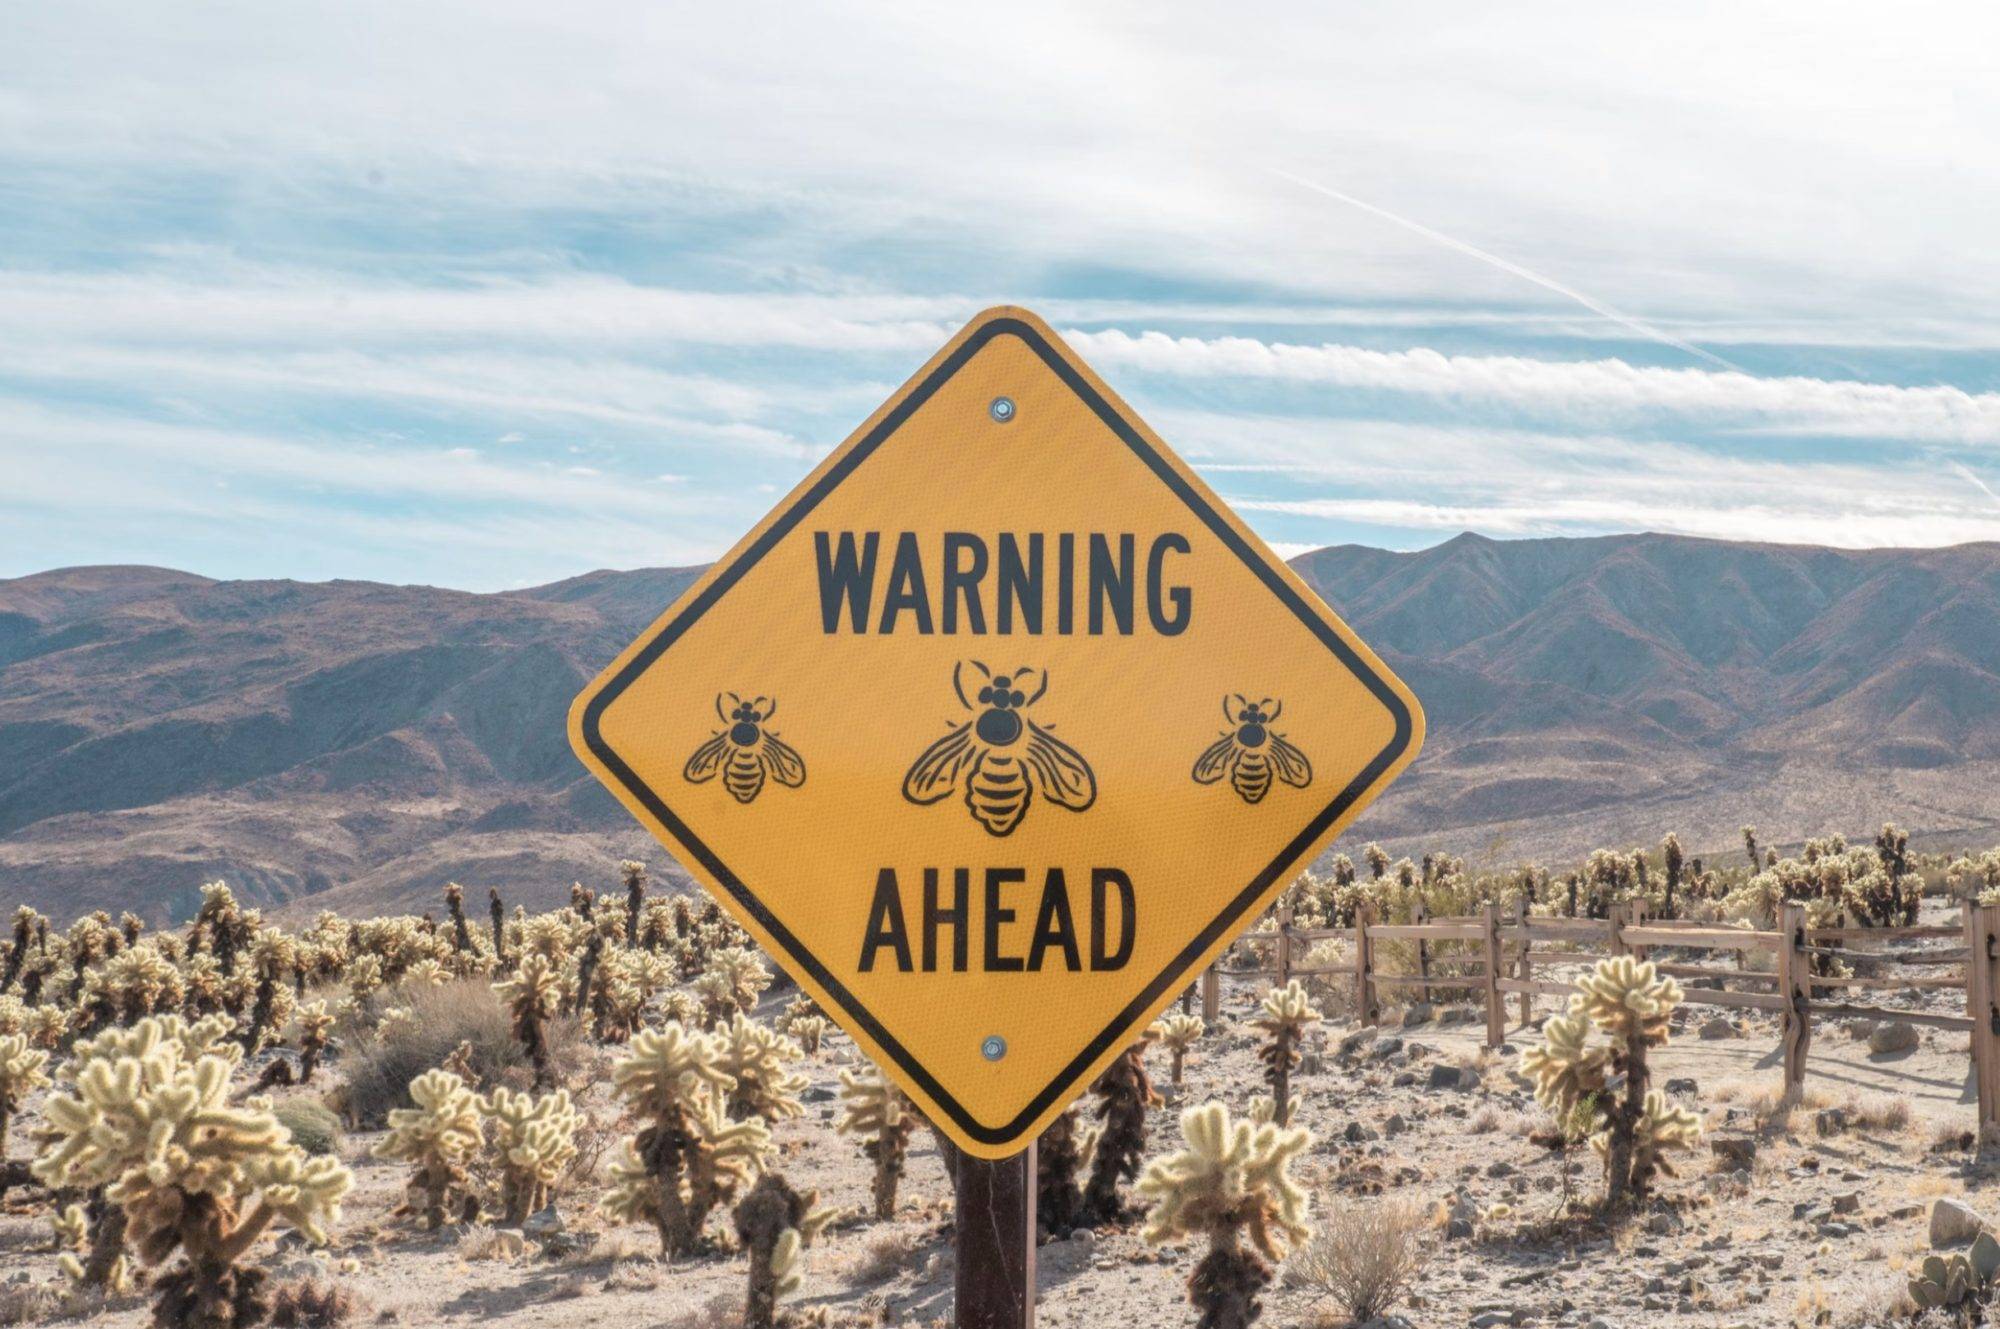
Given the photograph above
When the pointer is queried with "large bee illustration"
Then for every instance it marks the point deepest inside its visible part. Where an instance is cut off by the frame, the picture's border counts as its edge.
(1001, 757)
(744, 752)
(1250, 751)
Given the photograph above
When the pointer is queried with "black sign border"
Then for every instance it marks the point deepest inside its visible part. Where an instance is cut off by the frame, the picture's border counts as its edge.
(1121, 1026)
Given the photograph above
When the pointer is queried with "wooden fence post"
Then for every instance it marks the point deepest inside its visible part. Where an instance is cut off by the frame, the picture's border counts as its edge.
(1982, 1007)
(1211, 996)
(1284, 942)
(1794, 972)
(1419, 914)
(1614, 918)
(1635, 916)
(1526, 967)
(1496, 1011)
(1366, 1009)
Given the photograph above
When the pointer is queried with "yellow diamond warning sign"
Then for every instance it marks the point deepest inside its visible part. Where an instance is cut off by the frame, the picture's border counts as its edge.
(997, 730)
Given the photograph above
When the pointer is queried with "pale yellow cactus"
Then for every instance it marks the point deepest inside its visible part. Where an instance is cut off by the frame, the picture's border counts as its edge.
(135, 983)
(1179, 1032)
(394, 1023)
(757, 1058)
(1287, 1013)
(533, 995)
(1232, 1180)
(364, 976)
(439, 1138)
(72, 1228)
(689, 1157)
(1607, 1088)
(811, 1032)
(315, 1025)
(22, 1072)
(876, 1112)
(426, 973)
(534, 1139)
(193, 1174)
(1627, 998)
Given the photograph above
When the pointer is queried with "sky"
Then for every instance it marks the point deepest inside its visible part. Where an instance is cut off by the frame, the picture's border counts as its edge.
(485, 296)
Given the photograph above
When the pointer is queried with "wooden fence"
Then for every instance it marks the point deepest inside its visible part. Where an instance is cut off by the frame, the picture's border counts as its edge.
(1504, 956)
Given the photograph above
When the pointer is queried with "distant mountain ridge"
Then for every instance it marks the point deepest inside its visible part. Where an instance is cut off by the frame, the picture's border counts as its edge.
(359, 744)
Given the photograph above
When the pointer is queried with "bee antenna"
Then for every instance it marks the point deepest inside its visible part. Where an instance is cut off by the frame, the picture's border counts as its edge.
(957, 687)
(774, 707)
(1279, 709)
(718, 709)
(1038, 691)
(1225, 709)
(1241, 702)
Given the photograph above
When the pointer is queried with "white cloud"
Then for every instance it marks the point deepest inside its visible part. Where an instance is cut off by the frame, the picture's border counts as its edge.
(1584, 391)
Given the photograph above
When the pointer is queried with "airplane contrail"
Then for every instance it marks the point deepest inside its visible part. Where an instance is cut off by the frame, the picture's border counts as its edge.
(1591, 303)
(1966, 473)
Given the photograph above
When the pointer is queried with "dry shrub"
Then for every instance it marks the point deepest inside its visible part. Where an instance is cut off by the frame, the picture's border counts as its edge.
(312, 1303)
(1366, 1257)
(723, 1311)
(885, 1256)
(381, 1067)
(1889, 1116)
(313, 1125)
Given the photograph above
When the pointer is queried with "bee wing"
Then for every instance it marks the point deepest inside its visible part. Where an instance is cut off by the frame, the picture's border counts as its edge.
(784, 763)
(707, 759)
(935, 773)
(1061, 775)
(1290, 763)
(1215, 762)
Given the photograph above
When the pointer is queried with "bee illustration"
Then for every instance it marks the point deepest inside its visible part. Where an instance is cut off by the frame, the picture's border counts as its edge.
(1002, 758)
(1250, 751)
(745, 752)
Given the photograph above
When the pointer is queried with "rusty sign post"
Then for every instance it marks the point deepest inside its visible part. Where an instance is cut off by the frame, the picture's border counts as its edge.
(994, 734)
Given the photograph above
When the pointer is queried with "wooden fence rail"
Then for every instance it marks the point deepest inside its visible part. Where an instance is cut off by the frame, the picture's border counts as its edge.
(1504, 956)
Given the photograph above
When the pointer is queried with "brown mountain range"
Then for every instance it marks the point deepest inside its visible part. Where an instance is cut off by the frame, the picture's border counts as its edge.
(357, 745)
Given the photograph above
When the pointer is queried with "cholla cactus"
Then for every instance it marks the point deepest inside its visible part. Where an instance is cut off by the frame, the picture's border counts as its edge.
(533, 994)
(133, 984)
(689, 1157)
(1631, 1004)
(756, 1058)
(21, 1073)
(773, 1225)
(153, 1126)
(1231, 1181)
(875, 1111)
(1287, 1012)
(535, 1139)
(811, 1032)
(1124, 1093)
(1179, 1032)
(743, 976)
(315, 1024)
(438, 1138)
(25, 920)
(1062, 1158)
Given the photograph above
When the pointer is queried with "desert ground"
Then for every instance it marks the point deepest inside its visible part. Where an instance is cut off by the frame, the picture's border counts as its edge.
(1779, 1217)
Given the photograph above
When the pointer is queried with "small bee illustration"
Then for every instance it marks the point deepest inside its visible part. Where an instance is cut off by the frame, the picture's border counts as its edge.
(1000, 772)
(1249, 751)
(745, 752)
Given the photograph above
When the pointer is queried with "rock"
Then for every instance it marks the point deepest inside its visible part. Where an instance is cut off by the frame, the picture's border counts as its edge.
(1683, 1087)
(1847, 1202)
(1830, 1121)
(1494, 1319)
(1892, 1036)
(1389, 1322)
(1355, 1041)
(1395, 1125)
(1717, 1027)
(1404, 1079)
(1385, 1048)
(1954, 1222)
(1736, 1151)
(1447, 1077)
(1416, 1013)
(817, 1093)
(507, 1243)
(543, 1224)
(1860, 1029)
(1356, 1133)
